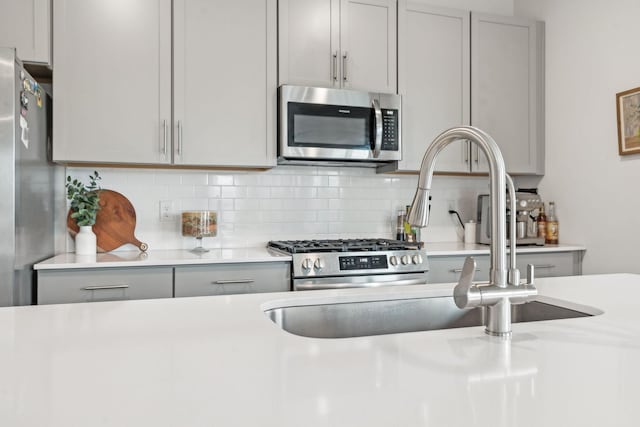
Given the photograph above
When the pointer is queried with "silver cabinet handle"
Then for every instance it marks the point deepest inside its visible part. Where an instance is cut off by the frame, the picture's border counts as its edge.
(164, 137)
(477, 156)
(459, 270)
(232, 282)
(335, 66)
(467, 147)
(97, 288)
(544, 266)
(344, 67)
(378, 127)
(179, 137)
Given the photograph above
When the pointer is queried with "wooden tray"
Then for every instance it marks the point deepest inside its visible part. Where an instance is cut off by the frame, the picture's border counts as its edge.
(115, 223)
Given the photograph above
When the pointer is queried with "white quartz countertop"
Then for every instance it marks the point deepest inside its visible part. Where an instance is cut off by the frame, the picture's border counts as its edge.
(465, 249)
(215, 256)
(160, 257)
(219, 361)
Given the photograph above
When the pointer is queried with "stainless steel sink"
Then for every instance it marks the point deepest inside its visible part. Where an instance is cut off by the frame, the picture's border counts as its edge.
(356, 319)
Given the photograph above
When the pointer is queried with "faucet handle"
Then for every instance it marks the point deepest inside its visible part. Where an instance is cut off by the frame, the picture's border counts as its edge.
(465, 294)
(530, 274)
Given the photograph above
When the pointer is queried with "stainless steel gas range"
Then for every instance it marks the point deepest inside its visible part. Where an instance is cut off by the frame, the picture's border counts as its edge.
(353, 263)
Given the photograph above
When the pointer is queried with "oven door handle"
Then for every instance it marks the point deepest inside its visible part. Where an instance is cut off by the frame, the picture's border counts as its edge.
(345, 285)
(377, 145)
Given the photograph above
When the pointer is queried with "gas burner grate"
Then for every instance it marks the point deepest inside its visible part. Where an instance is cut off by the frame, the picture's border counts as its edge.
(342, 245)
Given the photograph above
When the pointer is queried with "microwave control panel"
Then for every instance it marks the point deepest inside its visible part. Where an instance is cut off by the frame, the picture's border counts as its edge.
(390, 129)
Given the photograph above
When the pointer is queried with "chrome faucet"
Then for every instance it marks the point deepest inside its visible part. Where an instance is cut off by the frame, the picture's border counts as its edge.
(504, 286)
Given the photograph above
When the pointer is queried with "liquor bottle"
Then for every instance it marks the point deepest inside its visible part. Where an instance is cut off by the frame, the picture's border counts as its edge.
(552, 226)
(409, 232)
(400, 225)
(542, 223)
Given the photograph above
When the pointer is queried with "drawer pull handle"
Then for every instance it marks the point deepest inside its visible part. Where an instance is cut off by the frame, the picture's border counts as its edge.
(545, 266)
(97, 288)
(459, 270)
(232, 282)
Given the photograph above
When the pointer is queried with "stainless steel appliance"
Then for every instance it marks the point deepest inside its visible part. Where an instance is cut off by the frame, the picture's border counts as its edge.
(353, 263)
(324, 126)
(27, 180)
(526, 232)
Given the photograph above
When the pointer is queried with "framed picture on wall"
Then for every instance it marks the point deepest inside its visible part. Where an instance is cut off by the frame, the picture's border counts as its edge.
(628, 108)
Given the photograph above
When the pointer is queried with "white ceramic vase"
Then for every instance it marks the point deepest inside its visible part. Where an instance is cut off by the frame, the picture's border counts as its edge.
(85, 241)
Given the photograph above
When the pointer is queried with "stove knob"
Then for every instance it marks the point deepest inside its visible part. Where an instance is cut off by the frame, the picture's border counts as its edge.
(405, 259)
(393, 260)
(307, 263)
(417, 259)
(319, 264)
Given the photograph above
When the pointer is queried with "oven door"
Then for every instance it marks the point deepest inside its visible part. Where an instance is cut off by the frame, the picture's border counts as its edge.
(371, 281)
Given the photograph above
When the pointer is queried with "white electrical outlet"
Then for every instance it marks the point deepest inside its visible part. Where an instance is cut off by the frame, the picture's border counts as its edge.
(166, 210)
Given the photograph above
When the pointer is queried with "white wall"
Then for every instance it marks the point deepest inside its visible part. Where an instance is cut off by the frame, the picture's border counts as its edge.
(591, 54)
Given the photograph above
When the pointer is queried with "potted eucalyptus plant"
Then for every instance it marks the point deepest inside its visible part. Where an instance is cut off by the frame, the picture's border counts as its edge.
(84, 205)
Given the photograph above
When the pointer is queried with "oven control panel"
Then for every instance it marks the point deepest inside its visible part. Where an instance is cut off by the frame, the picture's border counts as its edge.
(369, 262)
(358, 263)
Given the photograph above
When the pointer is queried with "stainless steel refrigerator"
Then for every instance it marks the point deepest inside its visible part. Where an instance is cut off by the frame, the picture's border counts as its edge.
(28, 180)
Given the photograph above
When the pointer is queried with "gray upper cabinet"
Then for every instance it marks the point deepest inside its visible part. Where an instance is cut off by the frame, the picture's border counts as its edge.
(338, 43)
(112, 92)
(459, 68)
(123, 95)
(433, 79)
(507, 89)
(26, 25)
(225, 77)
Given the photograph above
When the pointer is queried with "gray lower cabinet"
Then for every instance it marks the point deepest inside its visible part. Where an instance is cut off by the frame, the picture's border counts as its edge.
(551, 264)
(446, 269)
(104, 284)
(227, 279)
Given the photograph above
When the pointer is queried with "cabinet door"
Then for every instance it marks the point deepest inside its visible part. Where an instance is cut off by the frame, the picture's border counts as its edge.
(103, 284)
(551, 264)
(368, 45)
(225, 82)
(26, 25)
(112, 92)
(507, 89)
(227, 279)
(434, 73)
(447, 269)
(309, 42)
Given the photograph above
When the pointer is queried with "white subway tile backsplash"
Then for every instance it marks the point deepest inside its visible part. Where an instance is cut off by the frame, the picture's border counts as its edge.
(194, 178)
(328, 193)
(215, 179)
(287, 202)
(207, 191)
(233, 192)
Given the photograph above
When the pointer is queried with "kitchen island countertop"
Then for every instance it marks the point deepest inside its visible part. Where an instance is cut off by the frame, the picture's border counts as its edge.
(219, 361)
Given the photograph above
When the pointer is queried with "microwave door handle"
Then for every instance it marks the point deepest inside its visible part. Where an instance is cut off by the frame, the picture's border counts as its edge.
(378, 128)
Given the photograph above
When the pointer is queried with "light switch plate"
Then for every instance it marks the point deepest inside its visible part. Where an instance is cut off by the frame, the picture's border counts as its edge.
(166, 210)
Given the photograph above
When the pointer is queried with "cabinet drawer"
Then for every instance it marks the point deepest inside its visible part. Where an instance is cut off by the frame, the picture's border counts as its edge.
(226, 279)
(551, 264)
(105, 284)
(447, 269)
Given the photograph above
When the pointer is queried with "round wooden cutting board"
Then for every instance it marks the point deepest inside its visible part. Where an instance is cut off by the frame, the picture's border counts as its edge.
(115, 223)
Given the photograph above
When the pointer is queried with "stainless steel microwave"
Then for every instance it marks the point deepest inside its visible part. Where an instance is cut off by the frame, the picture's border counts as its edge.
(338, 127)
